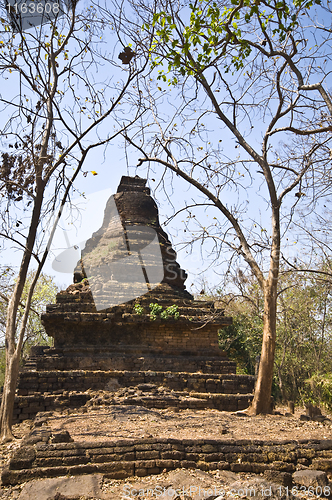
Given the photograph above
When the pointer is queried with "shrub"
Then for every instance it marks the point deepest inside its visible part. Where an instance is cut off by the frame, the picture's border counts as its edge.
(155, 310)
(319, 390)
(138, 309)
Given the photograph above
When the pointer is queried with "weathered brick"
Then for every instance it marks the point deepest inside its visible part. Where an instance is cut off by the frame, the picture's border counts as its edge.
(162, 446)
(121, 474)
(141, 472)
(167, 464)
(58, 461)
(282, 466)
(188, 464)
(153, 470)
(100, 451)
(141, 455)
(242, 467)
(174, 455)
(209, 448)
(258, 468)
(212, 457)
(223, 465)
(323, 464)
(100, 458)
(144, 447)
(124, 449)
(192, 456)
(202, 465)
(145, 464)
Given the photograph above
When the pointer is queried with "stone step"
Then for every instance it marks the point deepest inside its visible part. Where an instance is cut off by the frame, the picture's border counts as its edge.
(221, 402)
(118, 459)
(26, 407)
(82, 380)
(30, 365)
(134, 357)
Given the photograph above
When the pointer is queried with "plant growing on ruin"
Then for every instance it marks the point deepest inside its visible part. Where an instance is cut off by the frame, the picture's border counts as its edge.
(138, 309)
(155, 310)
(171, 311)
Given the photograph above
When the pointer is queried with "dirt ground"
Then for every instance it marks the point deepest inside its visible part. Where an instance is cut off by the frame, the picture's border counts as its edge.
(138, 422)
(102, 422)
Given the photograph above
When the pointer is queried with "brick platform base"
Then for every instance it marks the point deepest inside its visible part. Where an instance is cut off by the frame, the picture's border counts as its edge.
(52, 390)
(119, 459)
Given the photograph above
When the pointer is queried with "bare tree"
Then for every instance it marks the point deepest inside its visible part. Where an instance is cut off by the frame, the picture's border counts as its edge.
(61, 91)
(249, 78)
(6, 277)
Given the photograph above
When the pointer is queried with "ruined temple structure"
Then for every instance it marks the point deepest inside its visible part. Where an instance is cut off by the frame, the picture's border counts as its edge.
(109, 335)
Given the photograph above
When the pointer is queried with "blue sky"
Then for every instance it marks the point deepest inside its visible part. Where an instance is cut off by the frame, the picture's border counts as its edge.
(116, 161)
(95, 189)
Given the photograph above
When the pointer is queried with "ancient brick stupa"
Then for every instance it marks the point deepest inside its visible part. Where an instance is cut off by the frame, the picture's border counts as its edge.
(128, 318)
(94, 314)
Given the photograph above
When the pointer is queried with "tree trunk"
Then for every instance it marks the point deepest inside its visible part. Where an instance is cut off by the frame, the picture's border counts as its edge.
(9, 388)
(13, 347)
(281, 385)
(262, 396)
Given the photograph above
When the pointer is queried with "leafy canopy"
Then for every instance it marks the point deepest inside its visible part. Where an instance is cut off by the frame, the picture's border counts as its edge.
(213, 30)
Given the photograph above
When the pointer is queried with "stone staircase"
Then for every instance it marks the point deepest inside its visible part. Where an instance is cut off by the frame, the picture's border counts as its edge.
(48, 390)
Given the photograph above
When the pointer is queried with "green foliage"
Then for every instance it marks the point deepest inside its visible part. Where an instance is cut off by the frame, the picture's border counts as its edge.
(212, 32)
(242, 340)
(138, 309)
(303, 354)
(319, 390)
(170, 311)
(304, 331)
(44, 294)
(156, 311)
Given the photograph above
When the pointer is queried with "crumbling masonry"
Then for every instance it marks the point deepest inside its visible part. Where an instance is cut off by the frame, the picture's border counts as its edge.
(174, 358)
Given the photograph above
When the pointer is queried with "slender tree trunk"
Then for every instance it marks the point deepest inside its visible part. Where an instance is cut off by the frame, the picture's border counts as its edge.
(281, 385)
(262, 396)
(13, 346)
(9, 389)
